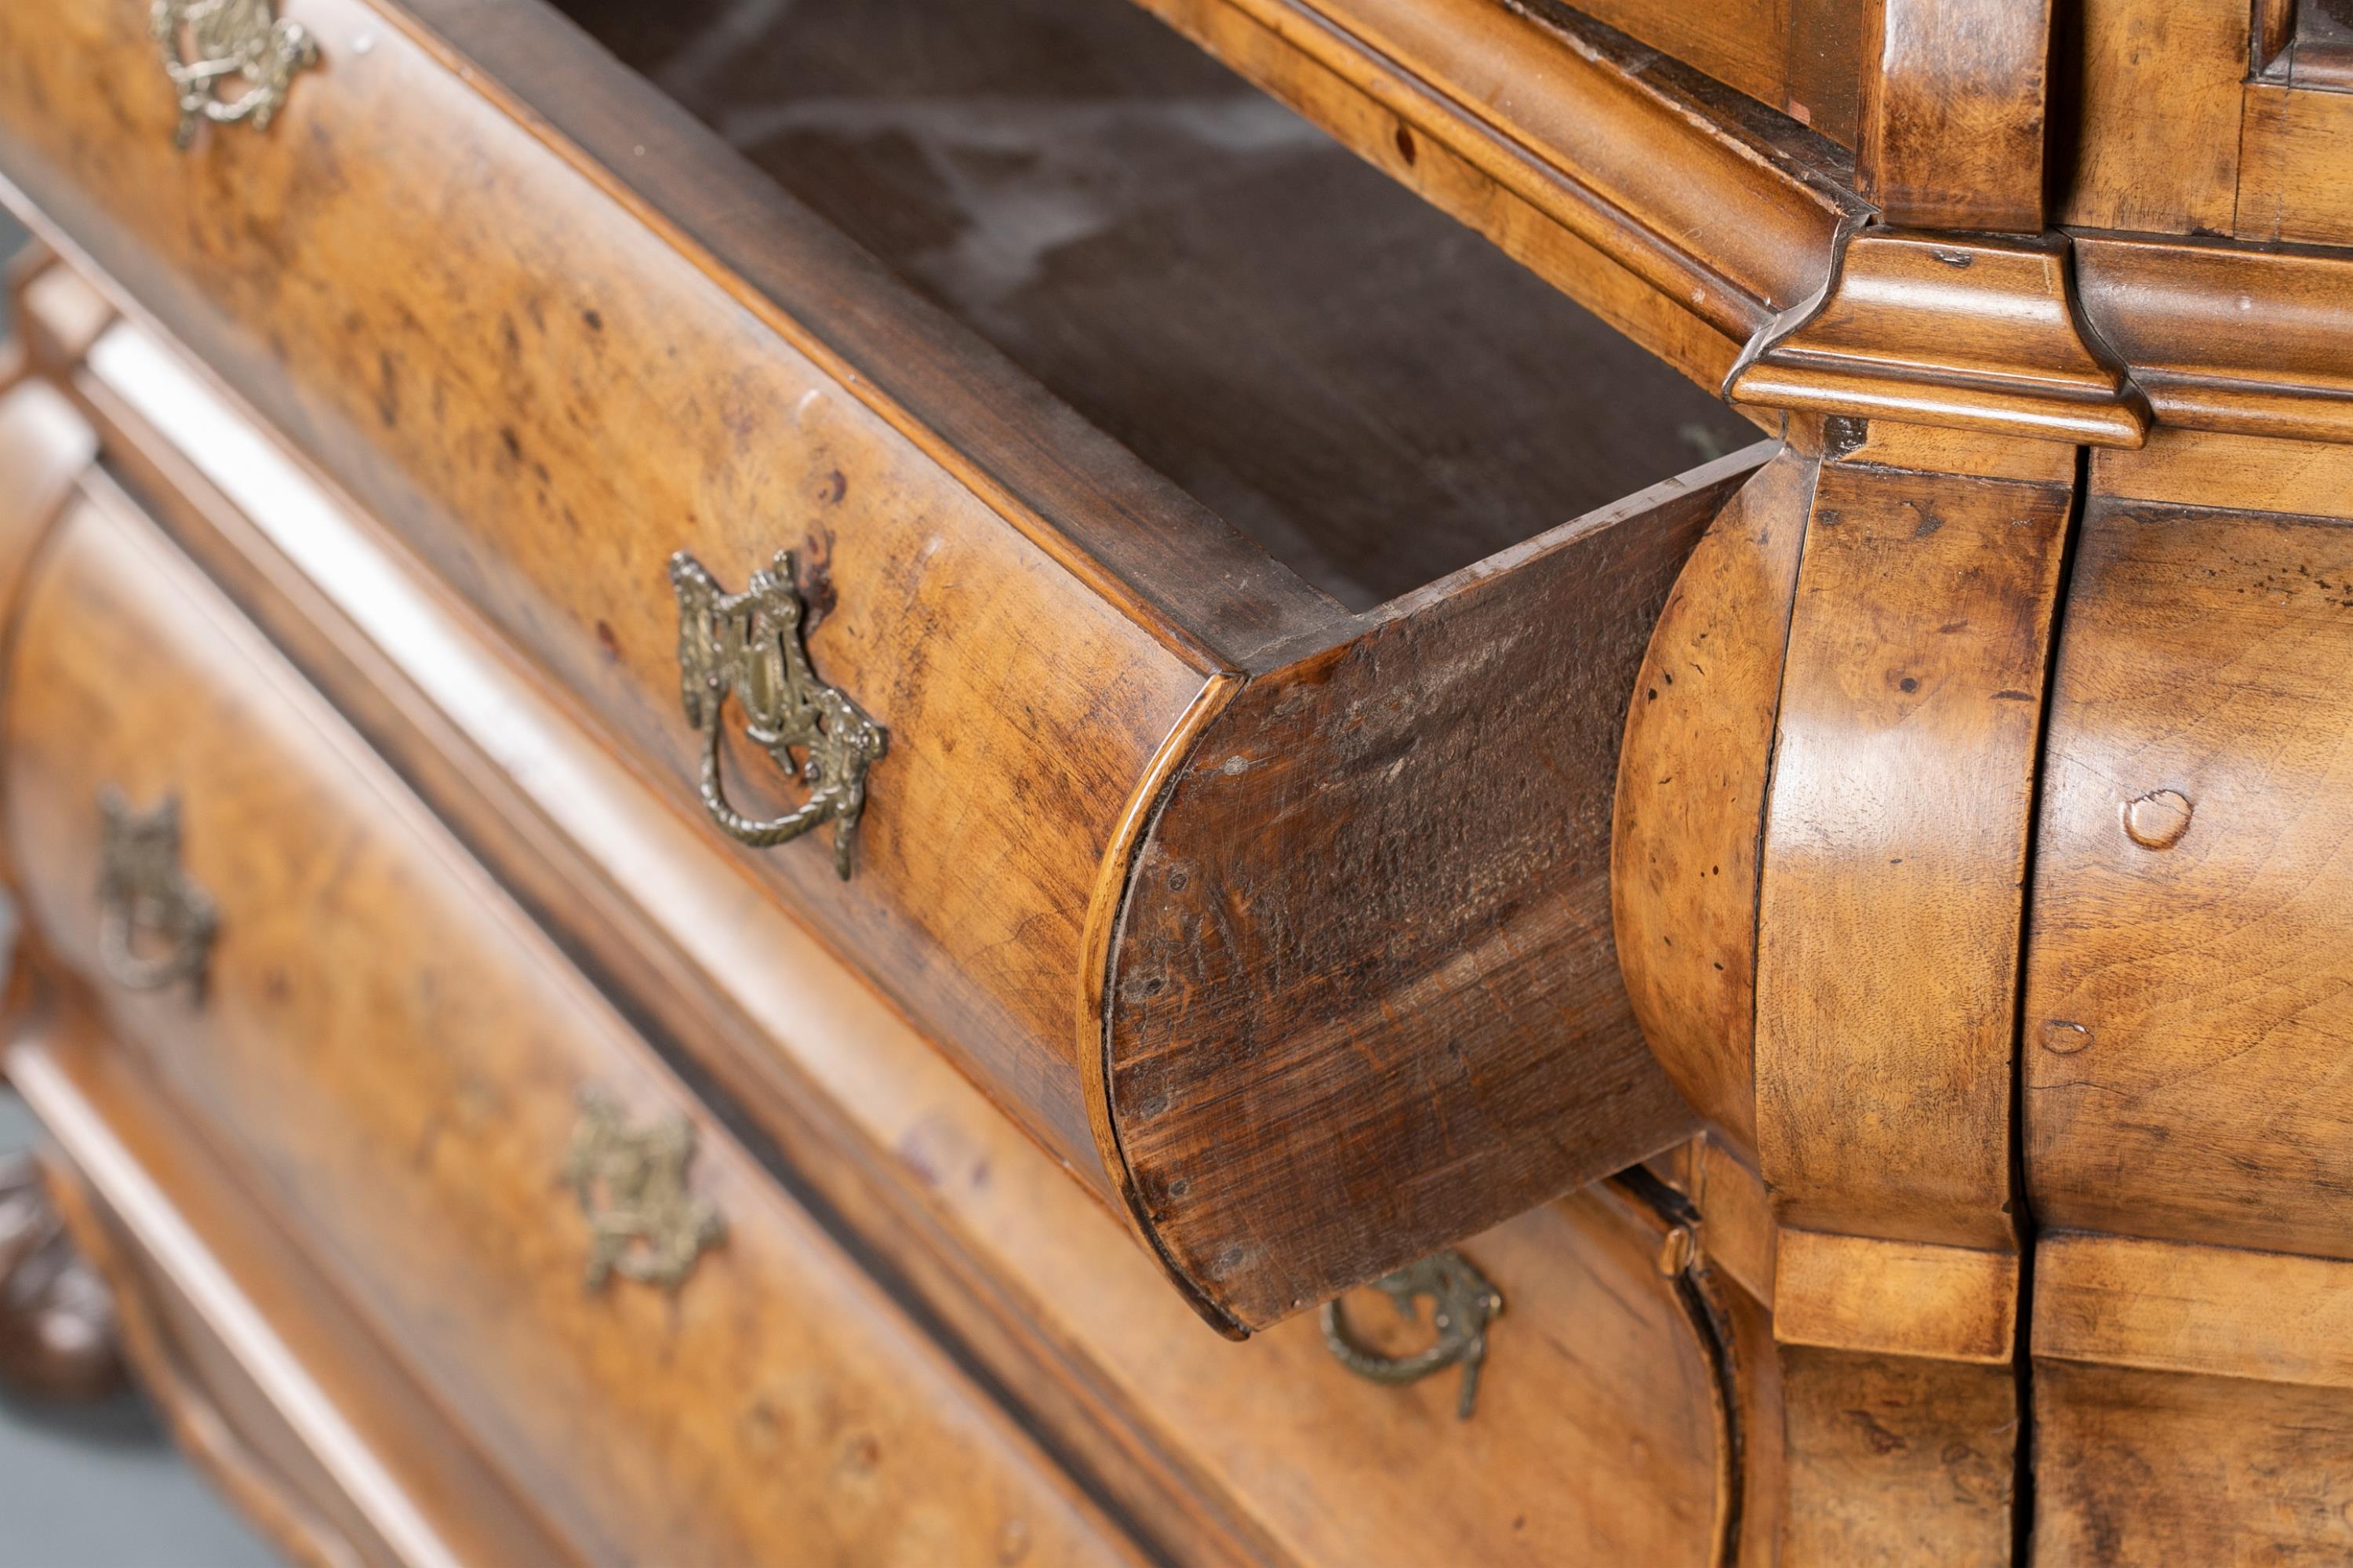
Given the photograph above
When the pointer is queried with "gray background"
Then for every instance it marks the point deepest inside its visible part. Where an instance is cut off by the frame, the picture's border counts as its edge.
(100, 1488)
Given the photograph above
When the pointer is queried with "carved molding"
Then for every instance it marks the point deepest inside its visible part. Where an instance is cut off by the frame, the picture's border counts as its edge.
(2224, 338)
(1969, 332)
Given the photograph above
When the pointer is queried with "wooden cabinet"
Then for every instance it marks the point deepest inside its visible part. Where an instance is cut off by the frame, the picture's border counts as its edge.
(1075, 863)
(844, 687)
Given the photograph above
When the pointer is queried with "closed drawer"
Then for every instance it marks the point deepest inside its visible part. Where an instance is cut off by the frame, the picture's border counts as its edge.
(1261, 874)
(264, 1377)
(401, 1068)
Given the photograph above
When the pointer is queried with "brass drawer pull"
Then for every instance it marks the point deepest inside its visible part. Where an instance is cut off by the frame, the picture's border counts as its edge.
(206, 42)
(644, 1222)
(1461, 1304)
(750, 643)
(141, 887)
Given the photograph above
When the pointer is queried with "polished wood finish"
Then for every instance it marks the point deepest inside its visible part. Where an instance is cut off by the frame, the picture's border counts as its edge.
(2161, 1020)
(1692, 774)
(1200, 1439)
(2003, 1224)
(1955, 112)
(1894, 848)
(1804, 58)
(45, 447)
(2174, 173)
(782, 1381)
(261, 1374)
(1046, 675)
(2293, 183)
(2225, 338)
(1901, 335)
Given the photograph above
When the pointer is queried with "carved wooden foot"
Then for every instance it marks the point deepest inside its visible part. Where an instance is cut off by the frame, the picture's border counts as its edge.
(57, 1318)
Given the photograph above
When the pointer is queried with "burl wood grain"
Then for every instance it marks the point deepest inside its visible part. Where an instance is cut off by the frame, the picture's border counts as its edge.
(1691, 777)
(1432, 801)
(546, 399)
(2187, 1010)
(264, 1378)
(394, 1052)
(1596, 1446)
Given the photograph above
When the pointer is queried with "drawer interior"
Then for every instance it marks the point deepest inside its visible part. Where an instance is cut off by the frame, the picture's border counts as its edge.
(1373, 394)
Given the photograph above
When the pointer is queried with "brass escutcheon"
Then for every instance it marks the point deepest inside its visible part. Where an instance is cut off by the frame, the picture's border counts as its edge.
(141, 887)
(1461, 1304)
(644, 1222)
(206, 43)
(750, 643)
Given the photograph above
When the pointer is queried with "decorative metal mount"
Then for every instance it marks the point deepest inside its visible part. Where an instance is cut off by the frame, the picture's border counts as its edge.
(141, 887)
(644, 1222)
(57, 1323)
(206, 42)
(1461, 1304)
(750, 643)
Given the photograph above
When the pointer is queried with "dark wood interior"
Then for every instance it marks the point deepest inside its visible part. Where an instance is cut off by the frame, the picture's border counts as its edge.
(1373, 394)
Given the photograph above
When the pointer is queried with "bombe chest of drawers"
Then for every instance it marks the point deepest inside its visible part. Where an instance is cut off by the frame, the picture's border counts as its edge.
(760, 758)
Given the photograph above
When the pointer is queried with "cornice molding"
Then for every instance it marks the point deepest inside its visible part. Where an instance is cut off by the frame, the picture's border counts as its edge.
(1966, 331)
(2224, 336)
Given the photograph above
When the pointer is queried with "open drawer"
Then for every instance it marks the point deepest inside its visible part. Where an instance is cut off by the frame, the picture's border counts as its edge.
(1240, 822)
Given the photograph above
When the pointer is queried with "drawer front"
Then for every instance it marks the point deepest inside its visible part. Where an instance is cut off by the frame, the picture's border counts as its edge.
(263, 1378)
(531, 383)
(399, 1059)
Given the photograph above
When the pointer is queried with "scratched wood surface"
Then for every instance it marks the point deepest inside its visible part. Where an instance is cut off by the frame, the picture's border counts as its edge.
(1462, 759)
(1037, 679)
(476, 407)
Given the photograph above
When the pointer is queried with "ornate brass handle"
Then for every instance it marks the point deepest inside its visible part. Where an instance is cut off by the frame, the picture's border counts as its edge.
(644, 1222)
(204, 43)
(1461, 1304)
(142, 888)
(750, 643)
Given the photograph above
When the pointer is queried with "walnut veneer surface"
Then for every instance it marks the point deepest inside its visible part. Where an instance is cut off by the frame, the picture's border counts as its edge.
(1370, 756)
